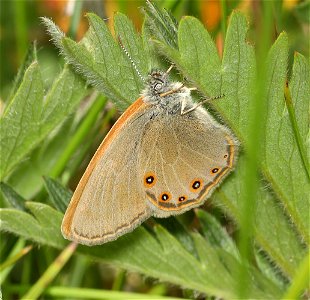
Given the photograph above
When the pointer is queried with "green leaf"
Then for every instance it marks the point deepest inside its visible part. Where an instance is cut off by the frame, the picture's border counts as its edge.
(43, 227)
(29, 117)
(30, 56)
(267, 268)
(20, 121)
(102, 62)
(273, 231)
(214, 232)
(238, 74)
(16, 200)
(59, 195)
(199, 57)
(111, 61)
(133, 43)
(300, 91)
(283, 164)
(161, 24)
(160, 256)
(54, 31)
(63, 97)
(238, 78)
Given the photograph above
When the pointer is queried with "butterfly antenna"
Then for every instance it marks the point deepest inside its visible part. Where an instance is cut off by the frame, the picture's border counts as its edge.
(130, 59)
(202, 102)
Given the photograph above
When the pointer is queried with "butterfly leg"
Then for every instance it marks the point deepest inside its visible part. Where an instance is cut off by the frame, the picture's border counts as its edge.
(171, 91)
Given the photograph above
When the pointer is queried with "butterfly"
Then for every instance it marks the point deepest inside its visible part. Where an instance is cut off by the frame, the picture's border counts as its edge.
(164, 156)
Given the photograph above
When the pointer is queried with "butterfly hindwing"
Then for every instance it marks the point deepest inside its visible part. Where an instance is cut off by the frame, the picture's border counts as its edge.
(184, 160)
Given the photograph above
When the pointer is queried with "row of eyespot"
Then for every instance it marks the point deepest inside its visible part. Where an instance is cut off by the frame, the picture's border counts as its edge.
(196, 185)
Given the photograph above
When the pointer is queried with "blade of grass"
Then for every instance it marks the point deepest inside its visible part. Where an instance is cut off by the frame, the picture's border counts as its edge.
(20, 28)
(119, 280)
(75, 18)
(13, 259)
(19, 245)
(79, 136)
(104, 124)
(84, 293)
(37, 289)
(254, 135)
(223, 17)
(301, 280)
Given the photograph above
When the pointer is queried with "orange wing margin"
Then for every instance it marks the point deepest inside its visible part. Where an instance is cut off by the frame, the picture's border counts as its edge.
(127, 115)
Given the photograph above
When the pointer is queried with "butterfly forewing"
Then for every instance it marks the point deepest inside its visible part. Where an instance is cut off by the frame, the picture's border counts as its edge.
(109, 200)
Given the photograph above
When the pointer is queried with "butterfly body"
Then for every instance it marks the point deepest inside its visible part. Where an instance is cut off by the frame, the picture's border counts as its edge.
(164, 156)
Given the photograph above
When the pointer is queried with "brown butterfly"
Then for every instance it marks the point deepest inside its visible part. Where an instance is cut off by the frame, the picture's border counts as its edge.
(164, 156)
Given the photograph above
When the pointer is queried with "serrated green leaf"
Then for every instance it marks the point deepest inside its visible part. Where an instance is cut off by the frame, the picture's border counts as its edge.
(16, 200)
(161, 256)
(30, 56)
(266, 267)
(111, 61)
(214, 232)
(64, 95)
(300, 91)
(238, 74)
(223, 266)
(59, 195)
(199, 57)
(211, 262)
(29, 117)
(282, 164)
(273, 232)
(180, 232)
(102, 62)
(161, 24)
(54, 31)
(42, 228)
(133, 43)
(21, 120)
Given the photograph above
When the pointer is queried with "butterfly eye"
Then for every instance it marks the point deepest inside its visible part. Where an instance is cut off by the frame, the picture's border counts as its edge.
(196, 185)
(214, 171)
(149, 179)
(165, 196)
(158, 86)
(226, 155)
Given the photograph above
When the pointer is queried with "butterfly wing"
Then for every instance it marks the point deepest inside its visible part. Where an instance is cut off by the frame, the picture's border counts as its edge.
(184, 159)
(109, 201)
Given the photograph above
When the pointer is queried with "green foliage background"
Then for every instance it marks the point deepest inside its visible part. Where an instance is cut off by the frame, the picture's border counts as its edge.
(265, 200)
